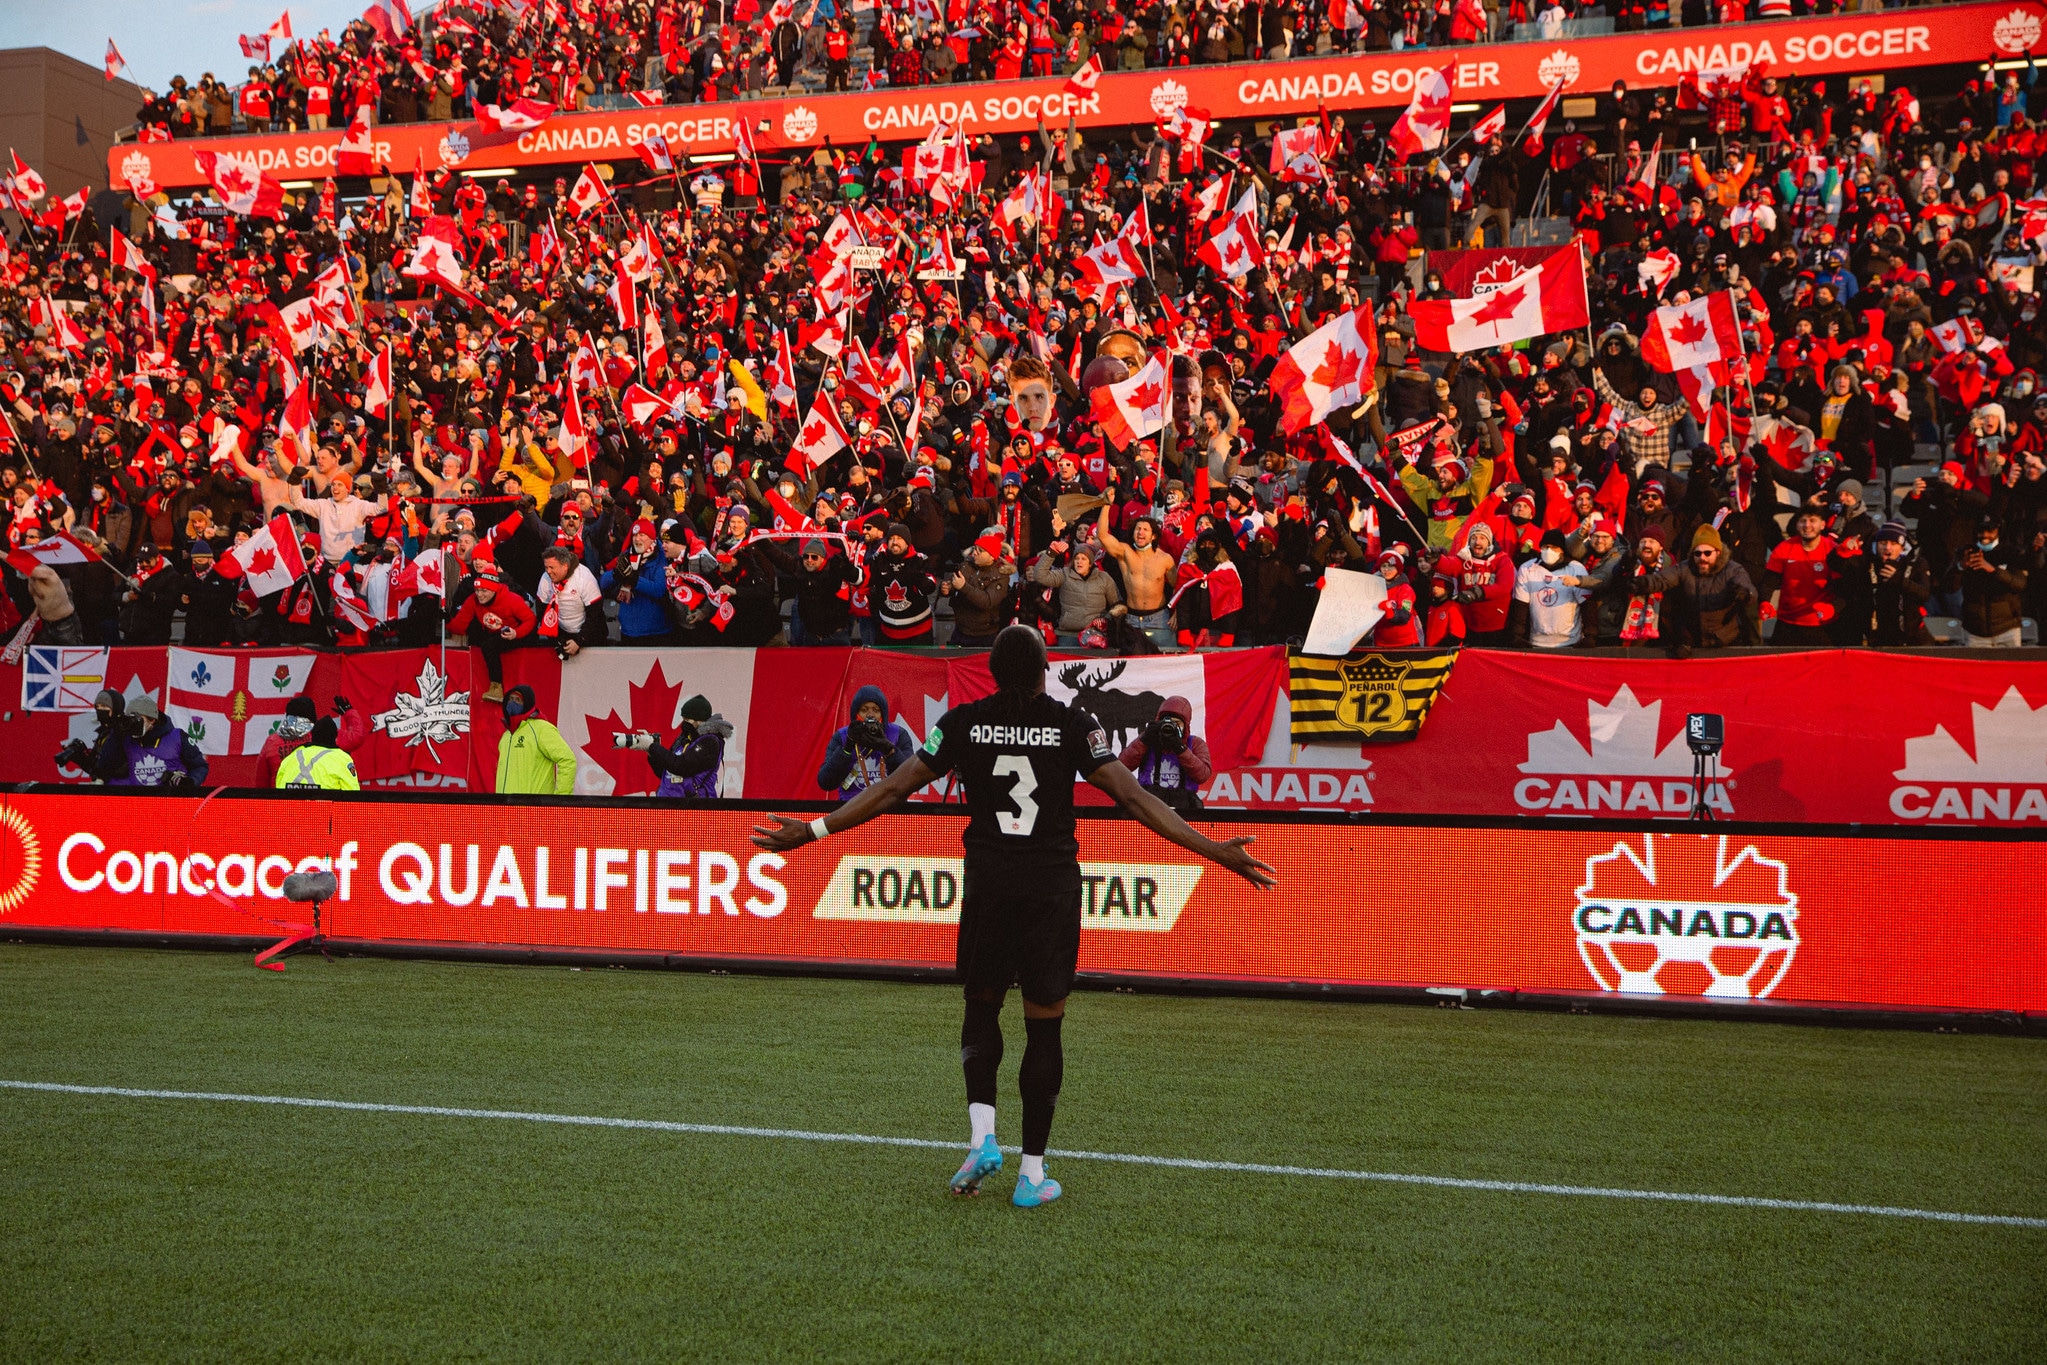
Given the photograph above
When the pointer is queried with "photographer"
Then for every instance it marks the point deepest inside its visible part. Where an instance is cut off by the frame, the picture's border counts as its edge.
(866, 749)
(151, 752)
(296, 729)
(102, 758)
(690, 763)
(1171, 762)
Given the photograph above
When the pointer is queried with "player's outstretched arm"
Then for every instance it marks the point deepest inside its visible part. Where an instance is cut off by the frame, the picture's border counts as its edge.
(1156, 816)
(790, 833)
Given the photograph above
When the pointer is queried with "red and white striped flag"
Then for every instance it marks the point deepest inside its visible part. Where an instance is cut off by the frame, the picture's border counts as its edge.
(269, 561)
(1329, 368)
(1687, 335)
(821, 437)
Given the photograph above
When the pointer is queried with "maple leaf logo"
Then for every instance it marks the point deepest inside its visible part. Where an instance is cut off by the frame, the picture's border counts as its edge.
(262, 561)
(431, 716)
(1234, 252)
(813, 433)
(650, 705)
(232, 180)
(1501, 305)
(430, 573)
(1689, 330)
(1337, 370)
(1147, 395)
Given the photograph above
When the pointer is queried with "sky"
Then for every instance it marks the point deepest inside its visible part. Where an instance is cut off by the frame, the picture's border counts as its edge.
(163, 38)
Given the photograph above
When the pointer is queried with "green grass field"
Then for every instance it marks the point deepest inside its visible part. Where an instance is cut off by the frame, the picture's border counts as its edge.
(145, 1229)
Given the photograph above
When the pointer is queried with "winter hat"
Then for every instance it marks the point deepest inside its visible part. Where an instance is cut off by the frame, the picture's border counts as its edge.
(1955, 468)
(697, 708)
(896, 528)
(201, 549)
(814, 546)
(325, 734)
(1850, 488)
(991, 542)
(302, 707)
(1895, 530)
(1708, 537)
(644, 527)
(1553, 537)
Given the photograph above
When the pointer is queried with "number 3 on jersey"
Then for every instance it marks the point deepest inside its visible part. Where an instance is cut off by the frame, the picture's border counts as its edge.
(1019, 767)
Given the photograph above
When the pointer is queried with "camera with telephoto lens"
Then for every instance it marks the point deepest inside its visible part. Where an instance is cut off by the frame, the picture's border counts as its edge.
(867, 734)
(1167, 734)
(77, 754)
(633, 739)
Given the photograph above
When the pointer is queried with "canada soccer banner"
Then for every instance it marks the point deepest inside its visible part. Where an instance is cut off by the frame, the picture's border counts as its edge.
(1892, 40)
(1731, 917)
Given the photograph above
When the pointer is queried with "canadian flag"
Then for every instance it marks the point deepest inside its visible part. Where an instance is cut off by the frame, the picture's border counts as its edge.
(641, 258)
(647, 99)
(281, 30)
(115, 61)
(1489, 127)
(589, 192)
(625, 301)
(654, 151)
(1081, 84)
(1345, 14)
(782, 374)
(1657, 269)
(1540, 119)
(437, 256)
(295, 424)
(1329, 368)
(524, 115)
(420, 203)
(356, 154)
(1208, 202)
(1136, 407)
(301, 322)
(269, 561)
(1687, 335)
(379, 390)
(334, 291)
(1191, 126)
(1549, 298)
(229, 441)
(240, 184)
(25, 183)
(821, 437)
(1110, 263)
(1958, 334)
(426, 574)
(574, 435)
(61, 548)
(586, 371)
(349, 604)
(1297, 154)
(389, 18)
(1422, 125)
(544, 247)
(654, 343)
(641, 405)
(65, 332)
(128, 256)
(1234, 250)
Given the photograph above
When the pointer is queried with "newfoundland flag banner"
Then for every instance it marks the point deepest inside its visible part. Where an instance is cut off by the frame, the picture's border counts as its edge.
(1374, 698)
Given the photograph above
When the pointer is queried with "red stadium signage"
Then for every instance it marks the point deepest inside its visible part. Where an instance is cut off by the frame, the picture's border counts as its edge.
(1890, 40)
(1737, 915)
(1813, 737)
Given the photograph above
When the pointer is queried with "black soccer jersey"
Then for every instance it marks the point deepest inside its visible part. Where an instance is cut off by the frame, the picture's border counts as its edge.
(1018, 765)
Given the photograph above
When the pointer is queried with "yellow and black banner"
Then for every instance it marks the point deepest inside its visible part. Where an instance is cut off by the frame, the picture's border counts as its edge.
(1372, 698)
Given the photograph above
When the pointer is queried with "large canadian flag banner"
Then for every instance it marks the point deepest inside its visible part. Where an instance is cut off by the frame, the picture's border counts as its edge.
(610, 692)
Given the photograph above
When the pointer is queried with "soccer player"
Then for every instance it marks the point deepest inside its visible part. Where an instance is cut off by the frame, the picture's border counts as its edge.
(1018, 754)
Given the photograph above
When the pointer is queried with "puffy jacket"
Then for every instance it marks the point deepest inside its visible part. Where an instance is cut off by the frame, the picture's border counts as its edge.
(1081, 600)
(645, 612)
(849, 768)
(1993, 599)
(981, 607)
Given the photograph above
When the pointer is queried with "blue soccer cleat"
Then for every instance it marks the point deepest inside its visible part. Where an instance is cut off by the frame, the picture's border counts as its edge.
(981, 1162)
(1029, 1196)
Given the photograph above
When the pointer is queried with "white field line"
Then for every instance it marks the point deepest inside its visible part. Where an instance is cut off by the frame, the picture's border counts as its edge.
(1125, 1158)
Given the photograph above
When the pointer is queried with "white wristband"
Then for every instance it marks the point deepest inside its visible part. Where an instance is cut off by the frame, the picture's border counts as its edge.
(817, 829)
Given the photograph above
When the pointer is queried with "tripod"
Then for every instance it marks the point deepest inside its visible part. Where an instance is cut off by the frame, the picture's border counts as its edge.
(1705, 770)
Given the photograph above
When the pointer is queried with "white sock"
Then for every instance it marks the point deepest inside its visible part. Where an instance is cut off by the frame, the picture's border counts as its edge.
(1034, 1169)
(982, 1116)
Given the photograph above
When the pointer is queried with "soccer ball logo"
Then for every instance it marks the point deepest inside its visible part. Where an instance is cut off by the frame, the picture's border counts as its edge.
(453, 149)
(2016, 31)
(1167, 96)
(1561, 65)
(799, 124)
(1687, 914)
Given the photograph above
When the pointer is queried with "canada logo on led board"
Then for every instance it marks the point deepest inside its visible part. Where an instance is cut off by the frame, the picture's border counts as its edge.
(1687, 914)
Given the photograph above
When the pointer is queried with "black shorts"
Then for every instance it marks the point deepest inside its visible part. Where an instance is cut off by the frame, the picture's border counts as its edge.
(1017, 933)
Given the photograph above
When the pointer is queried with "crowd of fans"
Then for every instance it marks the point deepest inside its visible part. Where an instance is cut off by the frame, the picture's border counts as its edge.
(585, 481)
(572, 55)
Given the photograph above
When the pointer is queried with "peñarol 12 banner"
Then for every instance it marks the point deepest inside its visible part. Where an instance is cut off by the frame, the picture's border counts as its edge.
(1885, 41)
(1734, 915)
